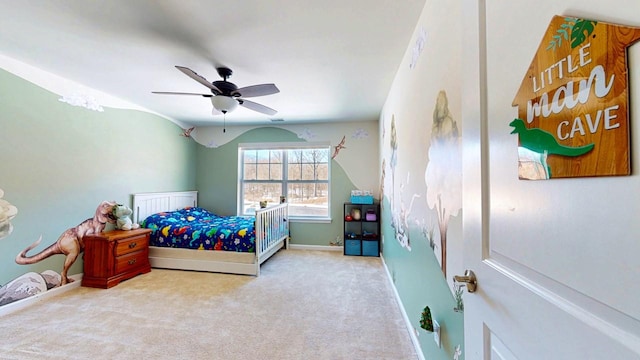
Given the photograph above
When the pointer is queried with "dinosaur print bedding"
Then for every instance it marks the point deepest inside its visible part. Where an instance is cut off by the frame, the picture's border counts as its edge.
(197, 228)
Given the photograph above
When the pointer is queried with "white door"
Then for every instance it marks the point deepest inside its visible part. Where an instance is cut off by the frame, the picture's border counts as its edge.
(557, 261)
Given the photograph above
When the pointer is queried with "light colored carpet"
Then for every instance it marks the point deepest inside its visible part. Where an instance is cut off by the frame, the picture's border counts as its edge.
(304, 305)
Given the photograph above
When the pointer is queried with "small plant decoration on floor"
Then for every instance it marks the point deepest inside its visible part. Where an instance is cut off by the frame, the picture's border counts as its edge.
(457, 294)
(425, 320)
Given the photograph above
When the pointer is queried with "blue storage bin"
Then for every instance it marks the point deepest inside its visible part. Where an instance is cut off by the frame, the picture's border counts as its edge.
(362, 199)
(352, 247)
(370, 248)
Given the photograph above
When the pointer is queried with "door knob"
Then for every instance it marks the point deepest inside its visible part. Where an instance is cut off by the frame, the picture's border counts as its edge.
(469, 278)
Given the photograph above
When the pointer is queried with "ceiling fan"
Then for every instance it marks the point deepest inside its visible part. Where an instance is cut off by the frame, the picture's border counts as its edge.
(226, 96)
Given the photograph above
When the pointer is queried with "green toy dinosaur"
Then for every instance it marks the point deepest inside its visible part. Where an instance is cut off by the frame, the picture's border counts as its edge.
(540, 141)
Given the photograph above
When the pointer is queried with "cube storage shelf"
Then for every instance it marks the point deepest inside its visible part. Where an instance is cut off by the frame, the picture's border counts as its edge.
(361, 232)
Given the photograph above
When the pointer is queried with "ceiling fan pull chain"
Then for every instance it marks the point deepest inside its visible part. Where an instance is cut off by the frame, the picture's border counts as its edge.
(224, 122)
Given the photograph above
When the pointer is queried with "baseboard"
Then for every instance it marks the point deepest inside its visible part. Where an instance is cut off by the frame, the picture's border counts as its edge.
(32, 300)
(315, 247)
(412, 332)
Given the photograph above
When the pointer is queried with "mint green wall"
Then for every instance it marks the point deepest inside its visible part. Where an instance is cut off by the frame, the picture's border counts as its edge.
(419, 282)
(58, 162)
(217, 181)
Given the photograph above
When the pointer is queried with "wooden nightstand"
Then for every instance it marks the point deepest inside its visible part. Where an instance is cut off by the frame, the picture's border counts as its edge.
(114, 256)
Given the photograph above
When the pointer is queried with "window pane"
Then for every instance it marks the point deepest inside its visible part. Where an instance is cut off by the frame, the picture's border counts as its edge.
(276, 172)
(294, 172)
(308, 172)
(294, 156)
(263, 156)
(307, 156)
(322, 155)
(322, 171)
(263, 172)
(308, 199)
(250, 172)
(253, 193)
(249, 156)
(276, 156)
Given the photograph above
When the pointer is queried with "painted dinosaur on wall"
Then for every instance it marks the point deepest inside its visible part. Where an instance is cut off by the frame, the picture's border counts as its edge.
(70, 242)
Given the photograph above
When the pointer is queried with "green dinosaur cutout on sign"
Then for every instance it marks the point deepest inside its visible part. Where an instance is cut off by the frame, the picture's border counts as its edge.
(542, 141)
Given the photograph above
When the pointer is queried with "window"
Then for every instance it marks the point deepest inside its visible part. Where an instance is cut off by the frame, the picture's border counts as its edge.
(300, 172)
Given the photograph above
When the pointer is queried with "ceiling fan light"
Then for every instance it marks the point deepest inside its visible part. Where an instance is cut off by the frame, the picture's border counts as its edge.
(223, 103)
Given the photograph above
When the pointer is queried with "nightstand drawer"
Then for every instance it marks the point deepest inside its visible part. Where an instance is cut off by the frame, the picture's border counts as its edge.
(129, 245)
(130, 261)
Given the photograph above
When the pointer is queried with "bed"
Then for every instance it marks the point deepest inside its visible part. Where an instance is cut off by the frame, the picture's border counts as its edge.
(197, 244)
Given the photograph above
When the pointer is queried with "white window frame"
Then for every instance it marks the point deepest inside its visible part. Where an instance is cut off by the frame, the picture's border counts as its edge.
(285, 146)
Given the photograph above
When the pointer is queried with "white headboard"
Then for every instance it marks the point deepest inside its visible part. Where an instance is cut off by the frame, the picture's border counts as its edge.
(146, 204)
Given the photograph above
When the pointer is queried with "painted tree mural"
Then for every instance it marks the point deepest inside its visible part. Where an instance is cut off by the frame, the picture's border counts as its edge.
(394, 156)
(400, 213)
(443, 175)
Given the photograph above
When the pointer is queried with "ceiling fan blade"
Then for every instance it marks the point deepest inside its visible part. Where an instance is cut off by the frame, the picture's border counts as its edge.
(256, 90)
(179, 93)
(257, 107)
(192, 74)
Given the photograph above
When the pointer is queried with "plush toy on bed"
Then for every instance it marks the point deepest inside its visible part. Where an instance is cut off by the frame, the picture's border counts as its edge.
(123, 221)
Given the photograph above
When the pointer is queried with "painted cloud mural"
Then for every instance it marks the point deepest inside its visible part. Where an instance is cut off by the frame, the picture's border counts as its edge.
(7, 212)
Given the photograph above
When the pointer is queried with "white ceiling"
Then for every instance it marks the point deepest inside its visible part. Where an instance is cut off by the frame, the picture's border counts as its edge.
(333, 60)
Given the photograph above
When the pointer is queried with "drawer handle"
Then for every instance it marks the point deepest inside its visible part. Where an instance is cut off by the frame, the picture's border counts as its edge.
(131, 262)
(132, 245)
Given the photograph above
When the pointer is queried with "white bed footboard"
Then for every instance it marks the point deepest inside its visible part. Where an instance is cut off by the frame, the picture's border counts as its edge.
(272, 231)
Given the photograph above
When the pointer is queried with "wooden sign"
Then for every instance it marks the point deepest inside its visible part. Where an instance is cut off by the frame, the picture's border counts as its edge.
(573, 105)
